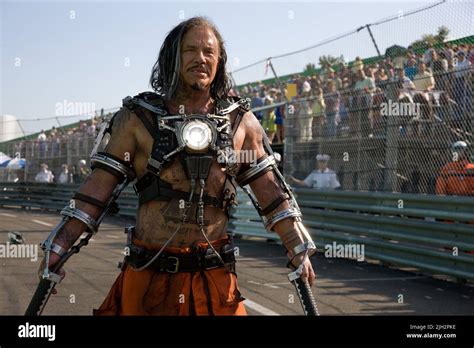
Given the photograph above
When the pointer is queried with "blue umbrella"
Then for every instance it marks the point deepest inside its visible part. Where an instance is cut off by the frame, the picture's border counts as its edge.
(16, 163)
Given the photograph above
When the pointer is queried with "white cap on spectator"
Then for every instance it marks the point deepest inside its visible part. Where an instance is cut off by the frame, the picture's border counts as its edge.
(83, 162)
(323, 157)
(306, 87)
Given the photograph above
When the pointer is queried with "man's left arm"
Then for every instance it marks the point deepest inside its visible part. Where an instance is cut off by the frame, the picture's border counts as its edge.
(269, 191)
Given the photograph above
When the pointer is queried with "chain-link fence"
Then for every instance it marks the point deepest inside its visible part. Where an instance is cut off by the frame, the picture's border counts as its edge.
(388, 122)
(62, 149)
(379, 140)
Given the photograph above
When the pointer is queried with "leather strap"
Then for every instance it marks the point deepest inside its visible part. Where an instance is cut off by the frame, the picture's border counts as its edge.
(273, 205)
(89, 199)
(173, 263)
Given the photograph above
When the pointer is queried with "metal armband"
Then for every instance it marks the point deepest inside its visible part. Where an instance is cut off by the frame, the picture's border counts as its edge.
(266, 164)
(112, 165)
(82, 216)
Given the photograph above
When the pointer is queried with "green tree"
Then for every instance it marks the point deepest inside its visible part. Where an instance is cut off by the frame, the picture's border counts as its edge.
(327, 60)
(309, 69)
(432, 39)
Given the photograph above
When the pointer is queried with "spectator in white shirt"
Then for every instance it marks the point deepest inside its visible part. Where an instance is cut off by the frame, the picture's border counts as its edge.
(428, 56)
(42, 136)
(321, 178)
(306, 86)
(65, 176)
(462, 65)
(44, 175)
(462, 87)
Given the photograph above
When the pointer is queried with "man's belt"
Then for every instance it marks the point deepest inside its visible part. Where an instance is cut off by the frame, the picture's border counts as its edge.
(150, 188)
(173, 263)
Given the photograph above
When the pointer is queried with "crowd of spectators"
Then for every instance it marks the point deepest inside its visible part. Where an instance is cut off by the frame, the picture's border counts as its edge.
(339, 100)
(75, 175)
(346, 100)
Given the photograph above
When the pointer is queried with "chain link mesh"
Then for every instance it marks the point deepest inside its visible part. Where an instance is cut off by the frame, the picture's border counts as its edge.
(392, 130)
(387, 122)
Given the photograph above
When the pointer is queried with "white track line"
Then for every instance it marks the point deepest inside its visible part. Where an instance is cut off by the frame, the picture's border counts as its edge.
(269, 285)
(42, 223)
(259, 308)
(111, 236)
(8, 215)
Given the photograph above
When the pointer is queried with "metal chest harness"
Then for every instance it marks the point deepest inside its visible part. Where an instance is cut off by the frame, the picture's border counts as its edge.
(196, 139)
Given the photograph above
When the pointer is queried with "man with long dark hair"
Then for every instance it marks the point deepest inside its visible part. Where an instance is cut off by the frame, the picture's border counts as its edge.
(180, 259)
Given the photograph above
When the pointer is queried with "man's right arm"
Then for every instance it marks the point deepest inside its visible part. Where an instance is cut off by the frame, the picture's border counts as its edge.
(100, 183)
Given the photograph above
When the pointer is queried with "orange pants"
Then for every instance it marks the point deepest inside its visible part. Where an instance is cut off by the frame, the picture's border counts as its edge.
(211, 292)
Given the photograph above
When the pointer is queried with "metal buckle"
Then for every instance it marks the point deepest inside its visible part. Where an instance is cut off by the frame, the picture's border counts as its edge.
(154, 166)
(176, 264)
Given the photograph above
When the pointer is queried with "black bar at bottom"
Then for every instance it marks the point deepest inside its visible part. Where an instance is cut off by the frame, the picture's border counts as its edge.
(240, 330)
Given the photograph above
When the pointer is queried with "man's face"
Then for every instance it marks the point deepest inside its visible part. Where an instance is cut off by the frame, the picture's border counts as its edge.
(322, 165)
(421, 67)
(199, 57)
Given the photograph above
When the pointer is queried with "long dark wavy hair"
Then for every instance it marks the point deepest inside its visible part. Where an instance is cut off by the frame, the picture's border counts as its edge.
(165, 76)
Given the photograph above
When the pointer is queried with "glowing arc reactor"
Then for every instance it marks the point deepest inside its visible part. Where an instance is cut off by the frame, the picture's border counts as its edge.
(197, 135)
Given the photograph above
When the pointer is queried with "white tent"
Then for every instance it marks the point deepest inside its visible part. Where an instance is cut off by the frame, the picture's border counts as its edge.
(4, 159)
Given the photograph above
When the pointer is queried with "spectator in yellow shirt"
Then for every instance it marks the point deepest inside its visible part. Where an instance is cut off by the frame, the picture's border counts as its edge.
(424, 81)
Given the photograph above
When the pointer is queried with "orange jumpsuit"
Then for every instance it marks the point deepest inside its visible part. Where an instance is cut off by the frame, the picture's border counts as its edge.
(456, 178)
(210, 292)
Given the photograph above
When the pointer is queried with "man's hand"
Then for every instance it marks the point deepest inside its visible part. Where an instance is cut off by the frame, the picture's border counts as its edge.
(53, 259)
(308, 272)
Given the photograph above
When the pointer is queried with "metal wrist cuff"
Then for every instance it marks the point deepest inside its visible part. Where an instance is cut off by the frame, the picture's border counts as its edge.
(81, 216)
(303, 247)
(57, 249)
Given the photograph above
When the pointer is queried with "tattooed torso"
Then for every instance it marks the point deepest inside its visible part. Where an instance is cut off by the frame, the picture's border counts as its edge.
(157, 220)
